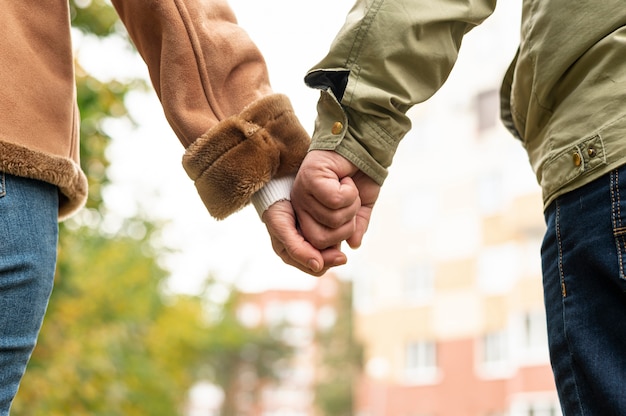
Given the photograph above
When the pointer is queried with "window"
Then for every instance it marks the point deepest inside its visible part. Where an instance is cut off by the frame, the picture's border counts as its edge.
(420, 361)
(274, 313)
(531, 342)
(536, 405)
(494, 355)
(535, 332)
(419, 283)
(299, 312)
(542, 411)
(326, 317)
(494, 348)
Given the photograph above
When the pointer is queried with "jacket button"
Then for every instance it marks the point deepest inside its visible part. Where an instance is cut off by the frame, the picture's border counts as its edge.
(577, 159)
(337, 127)
(591, 152)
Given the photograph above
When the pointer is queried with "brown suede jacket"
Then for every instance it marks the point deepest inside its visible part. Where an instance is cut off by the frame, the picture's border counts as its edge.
(210, 77)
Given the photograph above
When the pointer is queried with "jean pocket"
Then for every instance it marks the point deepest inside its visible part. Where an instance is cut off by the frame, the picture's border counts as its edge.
(3, 189)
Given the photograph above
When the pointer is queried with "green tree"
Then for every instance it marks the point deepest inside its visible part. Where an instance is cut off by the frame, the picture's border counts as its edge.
(341, 360)
(112, 342)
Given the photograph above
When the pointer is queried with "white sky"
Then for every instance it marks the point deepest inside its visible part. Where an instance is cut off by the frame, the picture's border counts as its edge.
(146, 162)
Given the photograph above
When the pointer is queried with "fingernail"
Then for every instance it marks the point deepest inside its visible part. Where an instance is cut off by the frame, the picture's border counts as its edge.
(340, 260)
(314, 265)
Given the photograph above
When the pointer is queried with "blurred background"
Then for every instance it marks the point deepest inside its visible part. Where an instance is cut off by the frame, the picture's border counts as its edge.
(160, 310)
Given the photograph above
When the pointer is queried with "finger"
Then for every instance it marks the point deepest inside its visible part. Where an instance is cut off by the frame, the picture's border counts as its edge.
(285, 256)
(324, 184)
(322, 237)
(333, 257)
(304, 254)
(280, 221)
(333, 219)
(335, 194)
(315, 203)
(368, 191)
(361, 225)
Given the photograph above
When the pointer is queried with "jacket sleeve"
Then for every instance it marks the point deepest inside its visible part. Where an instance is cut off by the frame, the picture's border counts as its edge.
(388, 56)
(214, 87)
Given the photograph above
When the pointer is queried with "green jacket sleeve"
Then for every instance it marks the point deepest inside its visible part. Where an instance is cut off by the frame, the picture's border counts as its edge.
(388, 56)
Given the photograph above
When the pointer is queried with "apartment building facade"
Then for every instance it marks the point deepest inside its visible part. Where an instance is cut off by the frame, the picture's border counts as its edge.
(458, 337)
(448, 293)
(297, 316)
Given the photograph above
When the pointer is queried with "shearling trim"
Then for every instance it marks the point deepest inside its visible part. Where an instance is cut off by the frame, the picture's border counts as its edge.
(238, 156)
(62, 172)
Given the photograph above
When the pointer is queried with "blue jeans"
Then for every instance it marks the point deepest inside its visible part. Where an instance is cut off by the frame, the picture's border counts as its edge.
(584, 264)
(28, 248)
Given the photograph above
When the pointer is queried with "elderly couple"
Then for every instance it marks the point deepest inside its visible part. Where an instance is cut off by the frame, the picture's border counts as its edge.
(564, 97)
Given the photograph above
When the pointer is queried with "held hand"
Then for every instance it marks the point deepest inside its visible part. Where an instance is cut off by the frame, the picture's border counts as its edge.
(292, 248)
(332, 199)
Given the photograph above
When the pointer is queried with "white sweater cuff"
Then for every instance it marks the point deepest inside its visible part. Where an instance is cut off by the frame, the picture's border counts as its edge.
(274, 191)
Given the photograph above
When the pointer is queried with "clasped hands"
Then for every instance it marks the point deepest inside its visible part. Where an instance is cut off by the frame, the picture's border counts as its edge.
(331, 202)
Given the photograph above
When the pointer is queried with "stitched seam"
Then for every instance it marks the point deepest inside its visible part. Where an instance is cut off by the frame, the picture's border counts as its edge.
(564, 294)
(357, 46)
(194, 44)
(362, 33)
(558, 239)
(618, 229)
(3, 189)
(382, 133)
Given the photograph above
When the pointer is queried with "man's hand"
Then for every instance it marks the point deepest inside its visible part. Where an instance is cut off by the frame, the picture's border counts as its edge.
(368, 192)
(333, 200)
(292, 248)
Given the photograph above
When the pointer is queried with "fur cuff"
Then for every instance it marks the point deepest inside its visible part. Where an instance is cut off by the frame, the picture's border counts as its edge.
(238, 156)
(62, 172)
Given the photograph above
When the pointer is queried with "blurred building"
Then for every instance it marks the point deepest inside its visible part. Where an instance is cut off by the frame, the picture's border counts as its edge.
(448, 295)
(296, 316)
(459, 333)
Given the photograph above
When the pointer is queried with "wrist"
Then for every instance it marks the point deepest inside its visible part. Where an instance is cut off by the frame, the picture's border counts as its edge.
(277, 189)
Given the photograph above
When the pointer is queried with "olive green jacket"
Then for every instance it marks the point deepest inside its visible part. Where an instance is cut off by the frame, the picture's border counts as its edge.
(564, 95)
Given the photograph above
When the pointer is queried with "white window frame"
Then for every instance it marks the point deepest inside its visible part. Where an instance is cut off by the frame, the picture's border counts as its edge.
(420, 362)
(419, 283)
(494, 355)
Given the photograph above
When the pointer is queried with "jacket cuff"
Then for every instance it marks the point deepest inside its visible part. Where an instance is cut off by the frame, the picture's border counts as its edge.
(274, 191)
(338, 128)
(241, 154)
